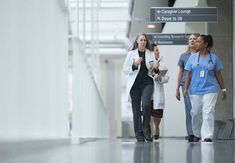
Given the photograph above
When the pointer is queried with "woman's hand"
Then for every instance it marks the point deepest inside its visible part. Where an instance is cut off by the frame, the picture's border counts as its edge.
(158, 77)
(156, 66)
(224, 95)
(137, 61)
(177, 95)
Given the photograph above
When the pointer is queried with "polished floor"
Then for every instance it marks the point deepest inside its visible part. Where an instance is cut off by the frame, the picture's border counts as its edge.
(165, 150)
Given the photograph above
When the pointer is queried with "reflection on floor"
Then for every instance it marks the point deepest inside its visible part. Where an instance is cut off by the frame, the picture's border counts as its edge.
(165, 150)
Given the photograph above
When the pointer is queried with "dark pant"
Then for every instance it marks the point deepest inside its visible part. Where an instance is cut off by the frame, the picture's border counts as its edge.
(142, 96)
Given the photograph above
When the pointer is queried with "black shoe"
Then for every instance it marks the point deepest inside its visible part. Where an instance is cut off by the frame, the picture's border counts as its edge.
(156, 137)
(196, 139)
(191, 138)
(150, 139)
(208, 140)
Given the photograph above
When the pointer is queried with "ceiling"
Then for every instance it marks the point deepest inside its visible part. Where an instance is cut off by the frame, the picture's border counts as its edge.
(140, 17)
(108, 27)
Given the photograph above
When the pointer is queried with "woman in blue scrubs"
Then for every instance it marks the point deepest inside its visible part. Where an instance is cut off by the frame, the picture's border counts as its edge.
(181, 81)
(203, 83)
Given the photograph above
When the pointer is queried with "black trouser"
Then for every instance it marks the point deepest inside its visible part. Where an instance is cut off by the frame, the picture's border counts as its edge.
(142, 96)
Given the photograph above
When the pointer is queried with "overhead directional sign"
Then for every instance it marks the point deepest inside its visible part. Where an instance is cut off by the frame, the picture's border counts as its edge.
(171, 14)
(168, 38)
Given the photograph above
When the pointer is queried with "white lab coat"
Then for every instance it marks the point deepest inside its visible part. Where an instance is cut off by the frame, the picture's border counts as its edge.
(158, 94)
(127, 68)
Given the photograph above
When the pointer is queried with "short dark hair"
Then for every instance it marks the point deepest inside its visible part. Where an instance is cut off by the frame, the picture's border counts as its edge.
(153, 45)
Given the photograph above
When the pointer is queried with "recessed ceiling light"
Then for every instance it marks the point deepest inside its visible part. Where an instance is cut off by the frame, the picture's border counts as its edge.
(151, 26)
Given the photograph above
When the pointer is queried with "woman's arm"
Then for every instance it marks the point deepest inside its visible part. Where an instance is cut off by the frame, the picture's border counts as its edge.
(131, 64)
(187, 82)
(180, 74)
(220, 80)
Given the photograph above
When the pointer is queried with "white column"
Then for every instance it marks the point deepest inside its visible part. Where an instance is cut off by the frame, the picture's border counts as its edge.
(33, 68)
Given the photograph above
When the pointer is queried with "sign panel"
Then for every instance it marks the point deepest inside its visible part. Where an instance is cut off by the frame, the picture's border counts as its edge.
(169, 38)
(171, 14)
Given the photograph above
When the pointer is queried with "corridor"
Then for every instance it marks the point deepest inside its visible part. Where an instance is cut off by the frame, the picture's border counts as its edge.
(62, 79)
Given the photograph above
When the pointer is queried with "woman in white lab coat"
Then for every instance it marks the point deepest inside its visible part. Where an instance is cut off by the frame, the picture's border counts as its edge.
(160, 77)
(140, 85)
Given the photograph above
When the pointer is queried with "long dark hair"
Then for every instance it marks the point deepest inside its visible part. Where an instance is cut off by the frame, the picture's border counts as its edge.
(135, 44)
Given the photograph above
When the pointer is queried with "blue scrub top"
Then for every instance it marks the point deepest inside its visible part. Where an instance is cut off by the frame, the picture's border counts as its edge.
(203, 79)
(181, 63)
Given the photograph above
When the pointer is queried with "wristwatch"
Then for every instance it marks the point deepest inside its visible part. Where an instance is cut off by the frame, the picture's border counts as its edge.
(223, 90)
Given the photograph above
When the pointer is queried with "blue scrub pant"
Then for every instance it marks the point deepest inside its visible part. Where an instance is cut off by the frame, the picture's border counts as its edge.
(188, 107)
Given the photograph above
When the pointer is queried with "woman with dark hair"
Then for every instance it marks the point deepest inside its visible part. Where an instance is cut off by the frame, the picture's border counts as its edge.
(160, 78)
(203, 82)
(137, 66)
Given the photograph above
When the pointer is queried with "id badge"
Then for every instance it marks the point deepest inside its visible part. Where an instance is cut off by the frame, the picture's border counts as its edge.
(202, 73)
